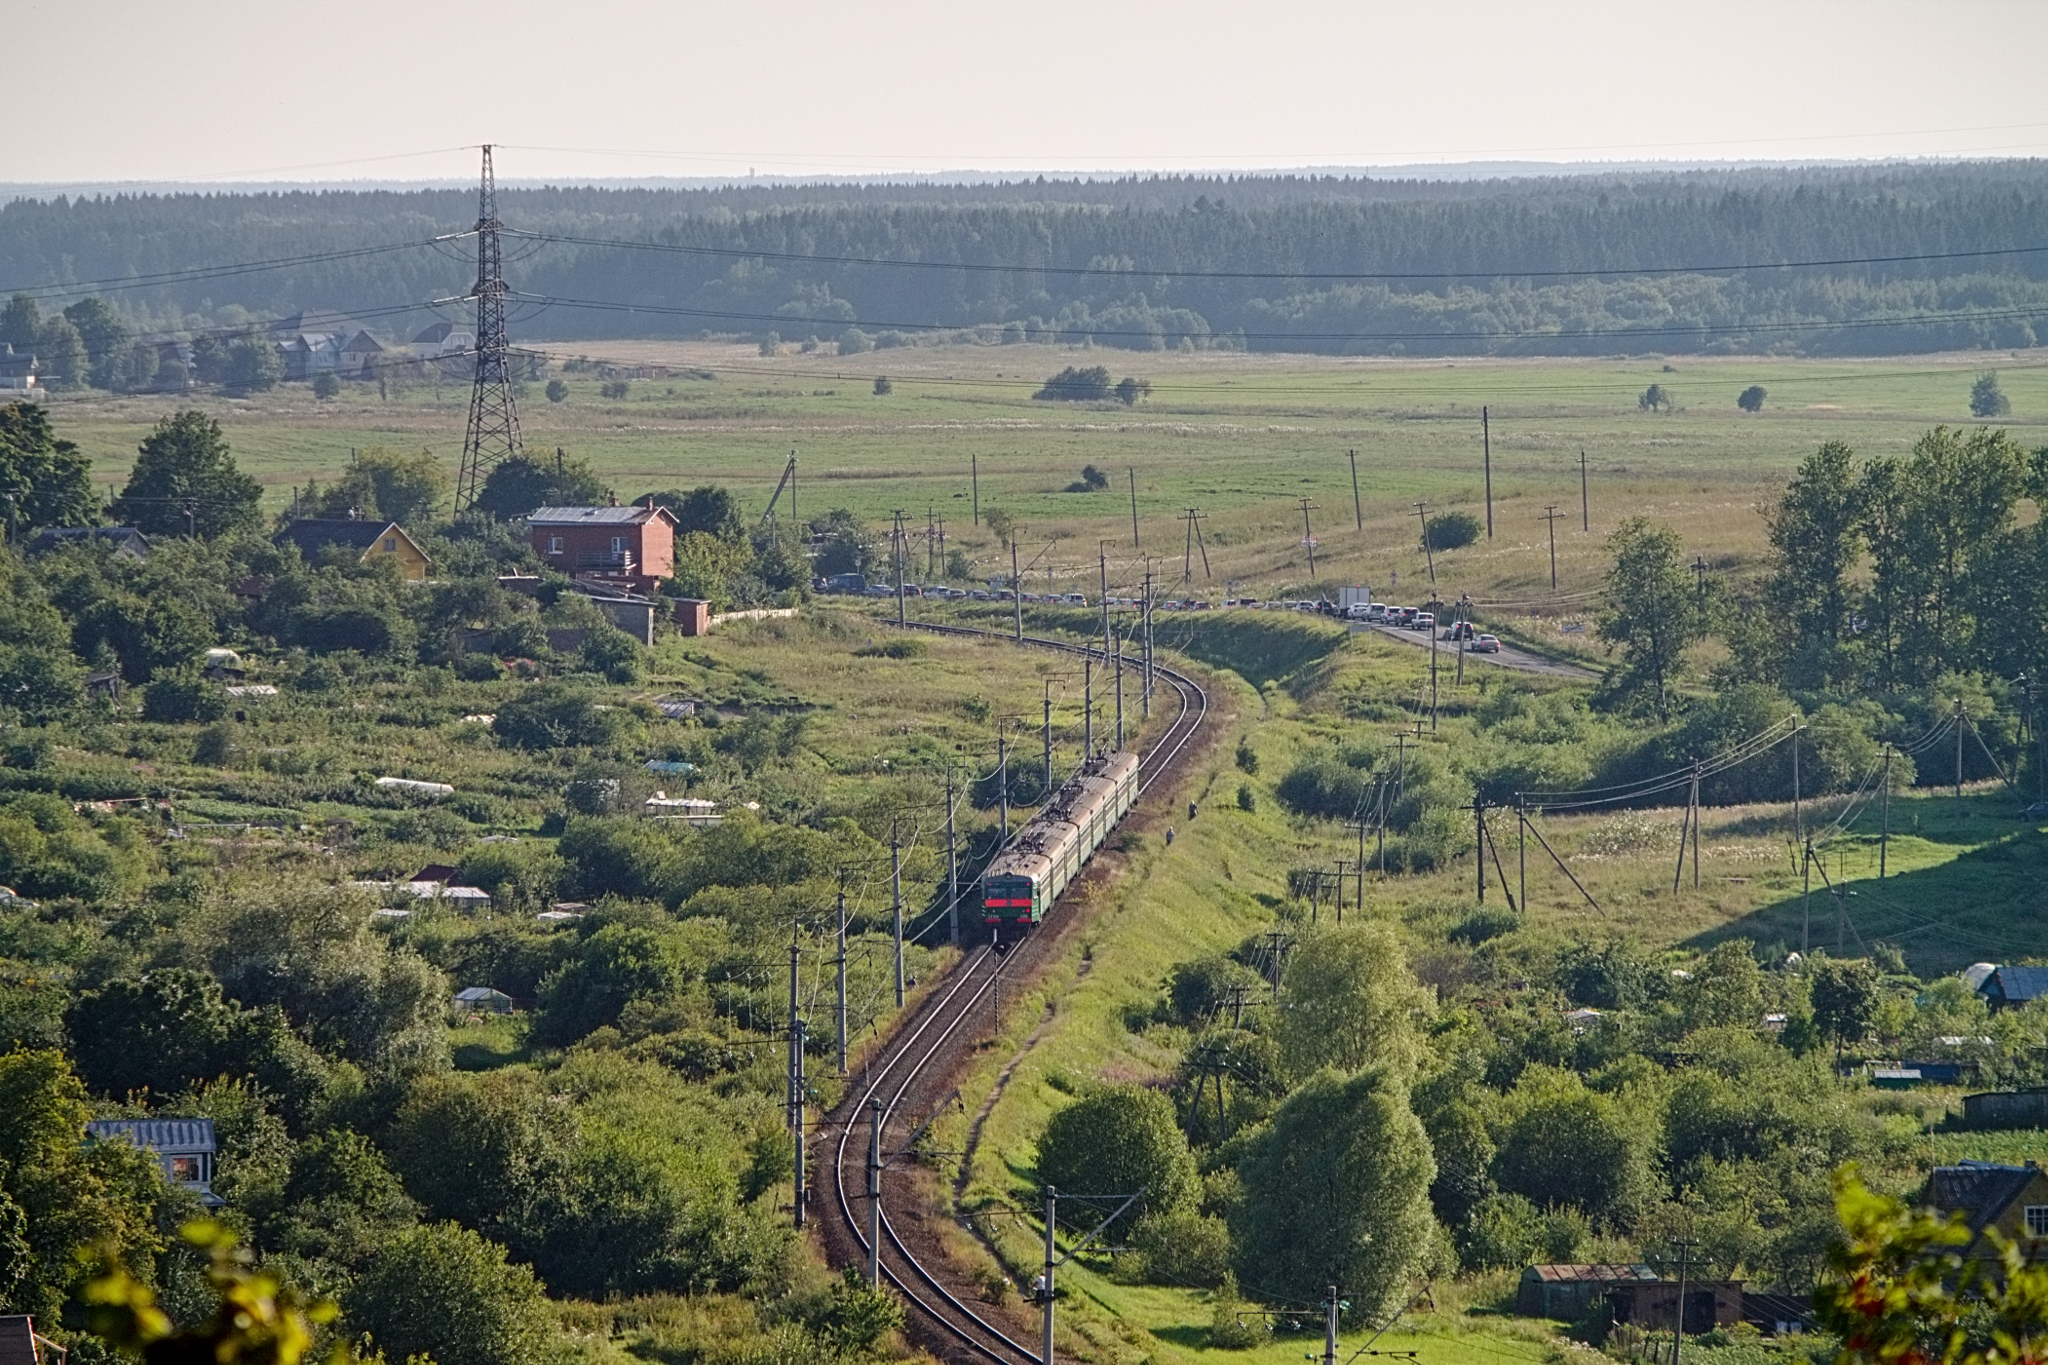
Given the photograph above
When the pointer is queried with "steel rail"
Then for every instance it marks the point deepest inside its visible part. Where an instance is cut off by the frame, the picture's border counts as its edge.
(958, 1319)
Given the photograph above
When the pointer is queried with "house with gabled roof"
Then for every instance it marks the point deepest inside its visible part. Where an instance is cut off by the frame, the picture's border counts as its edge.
(629, 548)
(17, 369)
(123, 542)
(370, 540)
(360, 355)
(183, 1148)
(2010, 1201)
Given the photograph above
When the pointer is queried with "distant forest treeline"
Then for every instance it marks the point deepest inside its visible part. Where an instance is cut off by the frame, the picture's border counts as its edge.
(1141, 235)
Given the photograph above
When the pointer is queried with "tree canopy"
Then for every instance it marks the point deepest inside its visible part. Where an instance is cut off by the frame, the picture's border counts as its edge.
(185, 477)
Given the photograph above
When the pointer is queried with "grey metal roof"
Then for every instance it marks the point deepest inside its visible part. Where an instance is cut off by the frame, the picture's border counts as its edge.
(2016, 984)
(589, 516)
(481, 993)
(1978, 1189)
(169, 1136)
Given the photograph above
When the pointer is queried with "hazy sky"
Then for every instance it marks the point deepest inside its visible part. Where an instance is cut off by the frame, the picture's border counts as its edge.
(342, 89)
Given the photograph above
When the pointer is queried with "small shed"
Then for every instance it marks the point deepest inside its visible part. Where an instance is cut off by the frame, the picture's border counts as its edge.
(483, 1000)
(693, 614)
(1653, 1304)
(2006, 1109)
(2014, 985)
(1566, 1292)
(184, 1148)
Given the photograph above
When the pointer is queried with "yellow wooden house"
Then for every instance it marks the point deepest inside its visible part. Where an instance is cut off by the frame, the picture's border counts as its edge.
(370, 541)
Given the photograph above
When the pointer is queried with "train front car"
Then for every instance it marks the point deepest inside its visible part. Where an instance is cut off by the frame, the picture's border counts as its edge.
(1023, 881)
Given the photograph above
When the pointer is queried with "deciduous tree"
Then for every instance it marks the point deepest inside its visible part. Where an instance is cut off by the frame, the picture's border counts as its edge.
(1336, 1189)
(1652, 612)
(185, 478)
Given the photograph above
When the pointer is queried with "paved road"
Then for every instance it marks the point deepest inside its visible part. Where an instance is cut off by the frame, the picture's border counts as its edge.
(1517, 660)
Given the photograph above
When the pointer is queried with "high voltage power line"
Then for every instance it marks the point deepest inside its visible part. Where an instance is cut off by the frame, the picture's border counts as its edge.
(1170, 272)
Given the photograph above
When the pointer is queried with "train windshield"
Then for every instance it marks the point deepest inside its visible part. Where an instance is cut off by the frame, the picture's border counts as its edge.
(1006, 893)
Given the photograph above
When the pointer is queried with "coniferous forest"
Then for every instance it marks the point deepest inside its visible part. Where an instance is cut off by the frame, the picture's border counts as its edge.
(1585, 264)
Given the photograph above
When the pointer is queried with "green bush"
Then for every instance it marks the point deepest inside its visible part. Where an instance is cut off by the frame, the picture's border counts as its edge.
(1183, 1247)
(443, 1291)
(1453, 530)
(1122, 1139)
(183, 696)
(551, 716)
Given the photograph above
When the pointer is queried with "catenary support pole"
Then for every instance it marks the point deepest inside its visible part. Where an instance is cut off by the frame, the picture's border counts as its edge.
(952, 867)
(1045, 786)
(839, 963)
(1016, 588)
(1120, 693)
(875, 1194)
(1045, 1284)
(896, 901)
(802, 1198)
(1003, 785)
(1087, 706)
(1330, 1327)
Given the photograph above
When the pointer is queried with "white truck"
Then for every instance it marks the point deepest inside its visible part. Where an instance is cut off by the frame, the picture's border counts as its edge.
(1352, 602)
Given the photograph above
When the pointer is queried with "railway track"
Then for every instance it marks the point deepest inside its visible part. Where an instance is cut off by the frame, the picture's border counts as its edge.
(911, 1074)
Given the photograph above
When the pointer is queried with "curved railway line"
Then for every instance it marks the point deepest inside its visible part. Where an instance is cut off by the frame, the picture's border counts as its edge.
(910, 1074)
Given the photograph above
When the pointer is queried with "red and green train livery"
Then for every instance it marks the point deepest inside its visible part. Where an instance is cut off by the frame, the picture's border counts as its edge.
(1027, 877)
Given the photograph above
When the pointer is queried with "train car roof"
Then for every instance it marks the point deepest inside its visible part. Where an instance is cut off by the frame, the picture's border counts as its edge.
(1026, 855)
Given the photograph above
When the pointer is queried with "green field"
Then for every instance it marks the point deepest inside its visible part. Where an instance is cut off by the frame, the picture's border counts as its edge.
(1242, 438)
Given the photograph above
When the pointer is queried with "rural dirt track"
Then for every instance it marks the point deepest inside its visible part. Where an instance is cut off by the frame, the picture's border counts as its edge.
(915, 1068)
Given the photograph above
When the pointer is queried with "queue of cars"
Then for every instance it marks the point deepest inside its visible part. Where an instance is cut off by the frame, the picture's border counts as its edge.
(1414, 618)
(1372, 613)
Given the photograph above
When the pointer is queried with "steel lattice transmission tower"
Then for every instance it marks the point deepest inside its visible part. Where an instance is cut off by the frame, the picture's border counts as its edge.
(493, 417)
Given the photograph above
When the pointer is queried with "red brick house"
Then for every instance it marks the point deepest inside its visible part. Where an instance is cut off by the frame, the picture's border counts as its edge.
(626, 548)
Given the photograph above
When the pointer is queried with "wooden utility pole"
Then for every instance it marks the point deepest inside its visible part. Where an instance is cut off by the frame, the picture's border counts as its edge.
(1016, 584)
(899, 566)
(1357, 507)
(1585, 508)
(1550, 515)
(1486, 436)
(1422, 511)
(1962, 718)
(1884, 837)
(1193, 517)
(1308, 537)
(975, 468)
(1133, 470)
